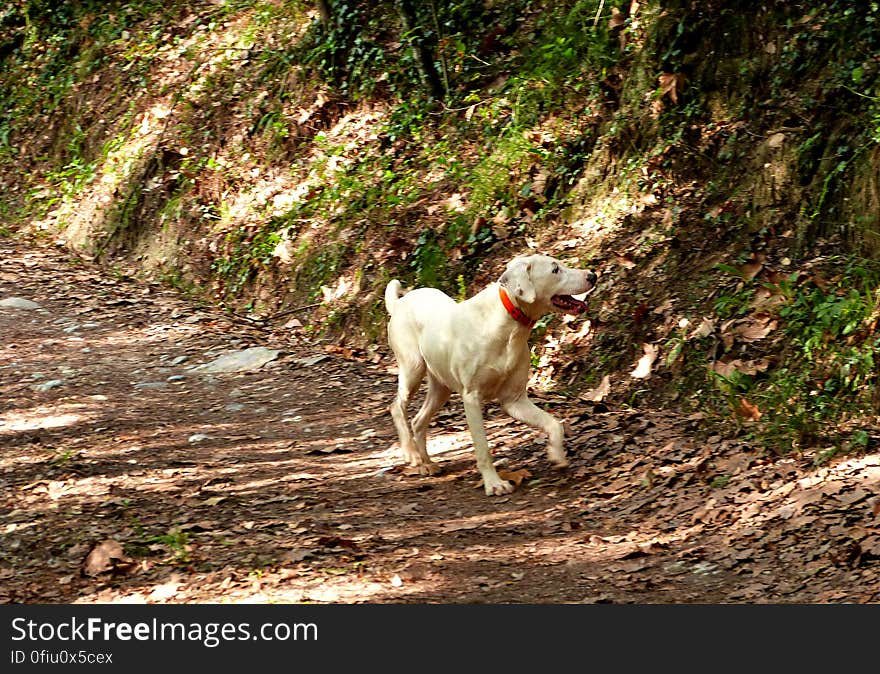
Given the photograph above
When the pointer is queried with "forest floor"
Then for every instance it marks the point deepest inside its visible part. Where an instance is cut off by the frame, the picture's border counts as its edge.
(126, 475)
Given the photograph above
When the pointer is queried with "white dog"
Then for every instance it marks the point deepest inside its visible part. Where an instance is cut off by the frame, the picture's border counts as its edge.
(478, 348)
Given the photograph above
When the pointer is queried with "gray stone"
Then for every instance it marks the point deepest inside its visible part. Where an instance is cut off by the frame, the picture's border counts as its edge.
(308, 361)
(18, 303)
(151, 385)
(240, 361)
(47, 385)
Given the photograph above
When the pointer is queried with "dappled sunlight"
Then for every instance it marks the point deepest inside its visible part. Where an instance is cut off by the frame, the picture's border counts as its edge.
(47, 417)
(252, 174)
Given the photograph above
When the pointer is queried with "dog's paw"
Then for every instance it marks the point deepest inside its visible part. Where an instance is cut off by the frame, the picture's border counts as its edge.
(557, 457)
(422, 468)
(498, 487)
(429, 468)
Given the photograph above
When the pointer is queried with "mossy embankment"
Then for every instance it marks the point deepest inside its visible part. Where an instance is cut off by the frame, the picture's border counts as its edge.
(716, 161)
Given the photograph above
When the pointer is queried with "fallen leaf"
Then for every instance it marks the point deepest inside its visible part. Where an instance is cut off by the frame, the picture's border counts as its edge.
(296, 555)
(625, 260)
(515, 476)
(747, 410)
(755, 328)
(870, 547)
(455, 203)
(104, 557)
(164, 591)
(643, 367)
(343, 351)
(335, 449)
(747, 367)
(598, 394)
(337, 542)
(460, 526)
(753, 267)
(853, 497)
(776, 140)
(671, 84)
(406, 509)
(704, 329)
(56, 489)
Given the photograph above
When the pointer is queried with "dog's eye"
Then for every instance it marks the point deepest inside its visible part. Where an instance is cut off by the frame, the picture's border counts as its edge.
(555, 268)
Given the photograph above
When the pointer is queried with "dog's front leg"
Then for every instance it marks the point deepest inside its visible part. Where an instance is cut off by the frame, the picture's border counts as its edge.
(526, 411)
(473, 410)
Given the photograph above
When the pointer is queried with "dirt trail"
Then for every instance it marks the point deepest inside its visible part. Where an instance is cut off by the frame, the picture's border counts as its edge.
(127, 476)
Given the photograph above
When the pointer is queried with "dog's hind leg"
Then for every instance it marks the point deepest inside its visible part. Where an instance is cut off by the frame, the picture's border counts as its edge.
(410, 374)
(473, 410)
(526, 411)
(437, 396)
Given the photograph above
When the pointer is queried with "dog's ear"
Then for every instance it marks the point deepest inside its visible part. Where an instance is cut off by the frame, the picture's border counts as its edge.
(517, 277)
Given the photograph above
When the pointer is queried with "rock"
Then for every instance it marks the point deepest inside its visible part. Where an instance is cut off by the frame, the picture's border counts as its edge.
(240, 361)
(47, 385)
(179, 360)
(151, 385)
(308, 361)
(234, 407)
(176, 377)
(18, 303)
(198, 437)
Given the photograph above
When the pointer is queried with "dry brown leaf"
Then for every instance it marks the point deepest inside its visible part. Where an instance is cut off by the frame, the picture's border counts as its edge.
(753, 267)
(296, 555)
(598, 394)
(643, 367)
(747, 410)
(103, 557)
(671, 84)
(870, 547)
(776, 140)
(514, 476)
(406, 509)
(747, 367)
(767, 298)
(455, 203)
(461, 526)
(164, 591)
(704, 329)
(625, 261)
(755, 328)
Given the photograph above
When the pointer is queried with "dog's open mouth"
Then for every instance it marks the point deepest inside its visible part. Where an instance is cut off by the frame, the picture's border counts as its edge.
(569, 304)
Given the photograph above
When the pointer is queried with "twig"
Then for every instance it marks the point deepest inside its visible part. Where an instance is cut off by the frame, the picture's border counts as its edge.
(598, 13)
(466, 107)
(290, 311)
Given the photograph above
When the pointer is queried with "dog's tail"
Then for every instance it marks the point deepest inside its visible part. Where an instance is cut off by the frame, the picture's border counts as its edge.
(393, 292)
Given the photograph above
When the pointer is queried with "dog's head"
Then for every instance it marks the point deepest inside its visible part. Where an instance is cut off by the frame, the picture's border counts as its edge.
(539, 284)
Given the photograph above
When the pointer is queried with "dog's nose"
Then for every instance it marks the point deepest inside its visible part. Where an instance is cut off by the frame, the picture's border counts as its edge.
(591, 278)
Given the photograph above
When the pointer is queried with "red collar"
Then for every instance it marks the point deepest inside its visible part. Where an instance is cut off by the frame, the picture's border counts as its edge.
(514, 310)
